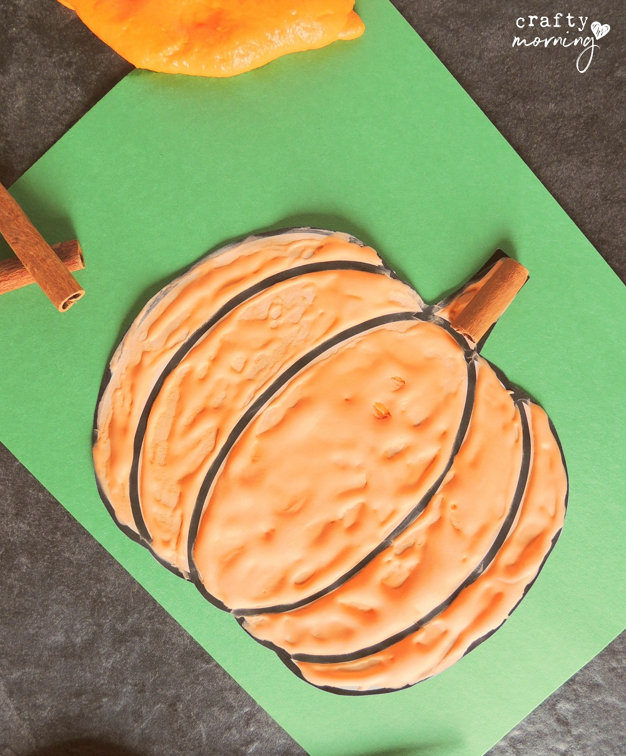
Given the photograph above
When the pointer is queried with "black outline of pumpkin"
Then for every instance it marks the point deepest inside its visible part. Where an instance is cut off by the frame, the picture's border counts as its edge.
(428, 314)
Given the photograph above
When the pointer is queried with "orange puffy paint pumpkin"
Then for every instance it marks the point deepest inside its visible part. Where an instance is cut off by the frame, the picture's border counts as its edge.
(291, 427)
(215, 37)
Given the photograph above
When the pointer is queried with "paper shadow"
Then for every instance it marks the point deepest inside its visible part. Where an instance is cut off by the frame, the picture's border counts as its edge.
(85, 747)
(334, 222)
(320, 220)
(328, 221)
(502, 243)
(423, 749)
(316, 219)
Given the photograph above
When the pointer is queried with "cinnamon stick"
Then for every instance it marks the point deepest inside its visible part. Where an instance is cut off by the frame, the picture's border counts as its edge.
(13, 274)
(491, 300)
(36, 255)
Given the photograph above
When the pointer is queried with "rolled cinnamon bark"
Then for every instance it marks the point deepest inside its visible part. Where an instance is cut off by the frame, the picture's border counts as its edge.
(13, 274)
(491, 300)
(43, 265)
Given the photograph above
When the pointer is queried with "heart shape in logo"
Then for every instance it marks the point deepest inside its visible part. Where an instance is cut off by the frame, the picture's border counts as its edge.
(600, 30)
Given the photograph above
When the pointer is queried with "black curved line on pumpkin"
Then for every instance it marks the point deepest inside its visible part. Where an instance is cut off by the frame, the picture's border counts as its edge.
(517, 394)
(408, 520)
(428, 312)
(286, 659)
(555, 537)
(188, 345)
(284, 378)
(143, 537)
(527, 587)
(471, 578)
(126, 529)
(130, 533)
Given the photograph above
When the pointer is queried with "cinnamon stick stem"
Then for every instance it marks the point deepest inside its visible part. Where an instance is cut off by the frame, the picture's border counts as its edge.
(477, 317)
(36, 255)
(13, 274)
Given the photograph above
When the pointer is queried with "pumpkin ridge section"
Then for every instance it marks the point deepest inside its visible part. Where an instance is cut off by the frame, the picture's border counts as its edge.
(250, 414)
(204, 396)
(288, 375)
(389, 540)
(191, 342)
(433, 556)
(142, 353)
(222, 273)
(486, 607)
(555, 538)
(474, 575)
(129, 532)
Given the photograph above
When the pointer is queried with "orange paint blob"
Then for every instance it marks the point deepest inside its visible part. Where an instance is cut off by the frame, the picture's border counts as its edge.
(215, 37)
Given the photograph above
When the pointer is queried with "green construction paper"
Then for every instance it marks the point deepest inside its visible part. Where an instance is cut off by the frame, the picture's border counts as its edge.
(372, 137)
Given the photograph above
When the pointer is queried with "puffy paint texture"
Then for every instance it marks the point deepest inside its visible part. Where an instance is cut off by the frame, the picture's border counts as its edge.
(215, 38)
(290, 427)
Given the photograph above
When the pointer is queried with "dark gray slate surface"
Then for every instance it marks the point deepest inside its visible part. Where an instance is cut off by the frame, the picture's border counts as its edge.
(89, 663)
(87, 654)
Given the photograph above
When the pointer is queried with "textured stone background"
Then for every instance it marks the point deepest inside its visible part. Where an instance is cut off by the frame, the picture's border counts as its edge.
(90, 665)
